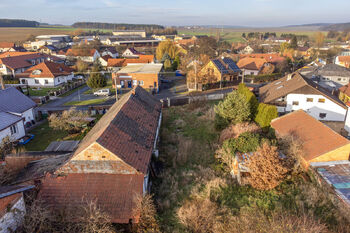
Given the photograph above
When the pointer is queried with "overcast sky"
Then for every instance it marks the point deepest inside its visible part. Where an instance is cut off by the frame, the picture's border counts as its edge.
(180, 12)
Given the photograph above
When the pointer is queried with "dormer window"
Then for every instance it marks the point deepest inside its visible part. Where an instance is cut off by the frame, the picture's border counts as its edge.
(36, 72)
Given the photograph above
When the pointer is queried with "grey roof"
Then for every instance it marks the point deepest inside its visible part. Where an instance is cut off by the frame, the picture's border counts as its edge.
(12, 100)
(7, 119)
(10, 190)
(66, 146)
(332, 70)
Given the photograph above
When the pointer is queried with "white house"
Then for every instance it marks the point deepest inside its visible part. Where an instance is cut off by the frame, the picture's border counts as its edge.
(87, 55)
(11, 126)
(111, 51)
(294, 92)
(12, 207)
(131, 52)
(16, 103)
(46, 74)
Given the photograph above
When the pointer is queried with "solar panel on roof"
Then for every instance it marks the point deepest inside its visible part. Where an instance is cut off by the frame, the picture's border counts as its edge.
(232, 65)
(220, 66)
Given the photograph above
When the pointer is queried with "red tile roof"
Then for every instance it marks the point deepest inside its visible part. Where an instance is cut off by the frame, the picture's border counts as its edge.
(251, 63)
(345, 89)
(121, 62)
(269, 57)
(48, 70)
(113, 193)
(317, 138)
(80, 52)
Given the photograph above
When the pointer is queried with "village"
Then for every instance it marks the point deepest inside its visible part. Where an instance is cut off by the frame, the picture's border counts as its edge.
(157, 131)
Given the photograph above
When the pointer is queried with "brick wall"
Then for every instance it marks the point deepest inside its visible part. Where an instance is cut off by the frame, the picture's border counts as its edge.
(149, 80)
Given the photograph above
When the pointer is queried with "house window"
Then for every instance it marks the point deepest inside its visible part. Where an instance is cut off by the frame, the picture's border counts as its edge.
(323, 115)
(36, 81)
(141, 83)
(46, 81)
(134, 82)
(339, 79)
(309, 100)
(13, 129)
(295, 103)
(321, 100)
(251, 73)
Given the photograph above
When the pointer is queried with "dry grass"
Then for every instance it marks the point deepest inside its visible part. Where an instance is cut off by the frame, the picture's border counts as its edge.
(148, 213)
(233, 131)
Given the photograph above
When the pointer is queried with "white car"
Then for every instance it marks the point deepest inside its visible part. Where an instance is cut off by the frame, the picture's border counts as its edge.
(102, 92)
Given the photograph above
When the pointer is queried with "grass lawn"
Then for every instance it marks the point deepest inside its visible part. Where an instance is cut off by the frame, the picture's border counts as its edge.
(42, 92)
(86, 102)
(44, 135)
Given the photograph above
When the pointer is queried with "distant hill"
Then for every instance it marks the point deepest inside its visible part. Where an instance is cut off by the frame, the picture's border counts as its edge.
(310, 25)
(337, 27)
(117, 26)
(18, 23)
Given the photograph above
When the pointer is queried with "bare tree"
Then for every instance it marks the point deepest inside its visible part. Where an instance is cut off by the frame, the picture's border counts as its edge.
(71, 120)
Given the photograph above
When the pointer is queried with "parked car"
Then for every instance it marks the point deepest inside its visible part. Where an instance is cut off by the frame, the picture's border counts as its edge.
(102, 92)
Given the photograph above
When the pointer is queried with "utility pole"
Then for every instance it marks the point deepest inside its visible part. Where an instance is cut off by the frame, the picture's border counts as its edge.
(243, 71)
(116, 89)
(195, 74)
(221, 79)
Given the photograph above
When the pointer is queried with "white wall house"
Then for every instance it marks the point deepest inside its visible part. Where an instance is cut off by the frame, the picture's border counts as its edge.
(46, 81)
(15, 131)
(318, 106)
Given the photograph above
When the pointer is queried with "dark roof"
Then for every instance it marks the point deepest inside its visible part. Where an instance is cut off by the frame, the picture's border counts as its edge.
(39, 168)
(128, 129)
(113, 193)
(226, 65)
(293, 83)
(10, 190)
(14, 101)
(111, 49)
(134, 51)
(8, 119)
(317, 138)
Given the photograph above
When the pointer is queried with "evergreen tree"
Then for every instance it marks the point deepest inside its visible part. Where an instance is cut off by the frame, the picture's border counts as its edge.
(250, 98)
(265, 114)
(294, 42)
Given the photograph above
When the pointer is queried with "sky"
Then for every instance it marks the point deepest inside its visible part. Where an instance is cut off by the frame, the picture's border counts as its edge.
(252, 13)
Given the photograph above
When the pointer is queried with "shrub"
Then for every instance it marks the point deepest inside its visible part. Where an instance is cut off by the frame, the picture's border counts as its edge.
(265, 114)
(148, 213)
(96, 80)
(266, 168)
(250, 98)
(234, 108)
(220, 122)
(246, 142)
(71, 120)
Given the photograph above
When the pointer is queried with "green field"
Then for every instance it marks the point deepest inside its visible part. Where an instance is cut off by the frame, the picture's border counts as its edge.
(86, 102)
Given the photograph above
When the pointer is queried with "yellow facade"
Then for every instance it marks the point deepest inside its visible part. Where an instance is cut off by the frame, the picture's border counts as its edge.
(95, 152)
(342, 153)
(211, 70)
(344, 97)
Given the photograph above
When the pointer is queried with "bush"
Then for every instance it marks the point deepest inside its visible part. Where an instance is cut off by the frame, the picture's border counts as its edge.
(96, 80)
(148, 213)
(250, 98)
(234, 108)
(233, 131)
(220, 122)
(265, 114)
(266, 168)
(246, 142)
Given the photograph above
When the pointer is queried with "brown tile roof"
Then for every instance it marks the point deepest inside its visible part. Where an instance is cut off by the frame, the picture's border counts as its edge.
(7, 45)
(121, 62)
(317, 138)
(345, 89)
(128, 129)
(15, 54)
(48, 70)
(269, 57)
(106, 57)
(344, 59)
(114, 194)
(293, 83)
(251, 63)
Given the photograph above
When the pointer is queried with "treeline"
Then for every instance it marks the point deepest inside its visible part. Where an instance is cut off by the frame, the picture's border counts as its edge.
(339, 36)
(337, 27)
(165, 31)
(117, 26)
(291, 35)
(18, 23)
(259, 35)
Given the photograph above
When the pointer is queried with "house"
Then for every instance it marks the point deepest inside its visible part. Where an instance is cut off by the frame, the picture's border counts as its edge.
(46, 74)
(254, 66)
(343, 61)
(130, 33)
(86, 55)
(111, 165)
(116, 63)
(111, 51)
(131, 53)
(320, 143)
(144, 75)
(295, 91)
(104, 60)
(16, 112)
(12, 207)
(13, 63)
(246, 50)
(273, 58)
(330, 76)
(220, 69)
(344, 93)
(10, 47)
(48, 49)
